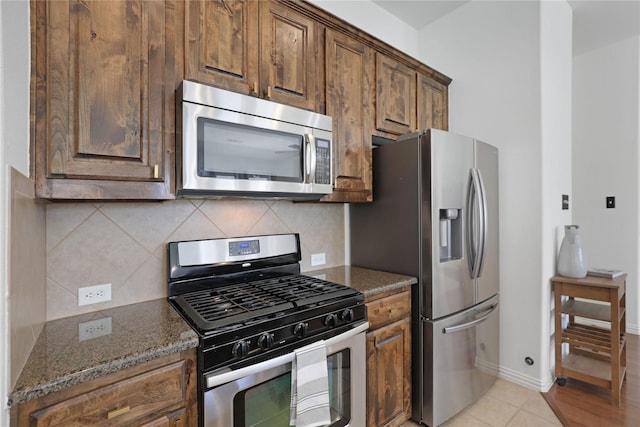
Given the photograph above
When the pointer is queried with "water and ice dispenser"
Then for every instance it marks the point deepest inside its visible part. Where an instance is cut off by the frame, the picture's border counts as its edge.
(450, 234)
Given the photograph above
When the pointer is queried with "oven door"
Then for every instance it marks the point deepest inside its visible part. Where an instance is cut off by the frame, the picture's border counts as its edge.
(260, 395)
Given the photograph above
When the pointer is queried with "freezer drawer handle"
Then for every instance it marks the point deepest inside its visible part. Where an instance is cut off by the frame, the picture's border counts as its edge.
(457, 328)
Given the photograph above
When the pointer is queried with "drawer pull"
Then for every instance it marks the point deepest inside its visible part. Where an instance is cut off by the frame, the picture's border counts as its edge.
(118, 412)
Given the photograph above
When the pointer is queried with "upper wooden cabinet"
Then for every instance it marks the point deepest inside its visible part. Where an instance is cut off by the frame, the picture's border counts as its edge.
(349, 92)
(433, 104)
(407, 100)
(395, 96)
(104, 77)
(102, 129)
(261, 48)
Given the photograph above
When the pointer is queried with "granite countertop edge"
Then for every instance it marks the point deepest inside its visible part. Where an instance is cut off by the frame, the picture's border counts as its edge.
(390, 287)
(366, 280)
(369, 282)
(29, 393)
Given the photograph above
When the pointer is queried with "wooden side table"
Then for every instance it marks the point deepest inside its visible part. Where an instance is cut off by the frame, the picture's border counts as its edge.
(597, 355)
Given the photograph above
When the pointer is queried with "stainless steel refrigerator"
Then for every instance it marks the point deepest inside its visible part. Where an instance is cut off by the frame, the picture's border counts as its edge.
(434, 216)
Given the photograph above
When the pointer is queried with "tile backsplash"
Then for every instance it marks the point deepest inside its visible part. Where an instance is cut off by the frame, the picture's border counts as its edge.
(125, 243)
(27, 308)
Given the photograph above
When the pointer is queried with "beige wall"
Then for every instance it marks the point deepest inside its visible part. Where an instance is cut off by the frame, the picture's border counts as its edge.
(125, 243)
(27, 307)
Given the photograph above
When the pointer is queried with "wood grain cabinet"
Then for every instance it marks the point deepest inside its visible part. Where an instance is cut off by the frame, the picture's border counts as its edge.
(432, 107)
(101, 127)
(389, 358)
(104, 77)
(408, 100)
(260, 48)
(349, 93)
(158, 393)
(395, 96)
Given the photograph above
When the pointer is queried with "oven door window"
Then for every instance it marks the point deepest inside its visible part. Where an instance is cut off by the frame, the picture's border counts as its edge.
(235, 151)
(263, 400)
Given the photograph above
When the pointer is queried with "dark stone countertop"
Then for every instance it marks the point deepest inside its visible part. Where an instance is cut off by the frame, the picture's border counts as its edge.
(139, 333)
(369, 282)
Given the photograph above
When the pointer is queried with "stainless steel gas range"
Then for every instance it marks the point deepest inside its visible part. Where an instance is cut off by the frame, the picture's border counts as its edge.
(252, 309)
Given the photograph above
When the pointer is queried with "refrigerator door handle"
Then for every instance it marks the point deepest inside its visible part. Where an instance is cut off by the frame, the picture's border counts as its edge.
(463, 326)
(475, 231)
(482, 207)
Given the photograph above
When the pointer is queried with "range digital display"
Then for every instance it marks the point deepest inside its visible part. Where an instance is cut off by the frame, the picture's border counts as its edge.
(244, 247)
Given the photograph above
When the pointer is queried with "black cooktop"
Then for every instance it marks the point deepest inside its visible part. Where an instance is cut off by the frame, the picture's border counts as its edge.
(243, 304)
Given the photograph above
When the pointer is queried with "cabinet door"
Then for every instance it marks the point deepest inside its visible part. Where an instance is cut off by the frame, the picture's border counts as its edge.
(349, 71)
(222, 44)
(433, 104)
(396, 96)
(100, 99)
(120, 403)
(288, 56)
(389, 374)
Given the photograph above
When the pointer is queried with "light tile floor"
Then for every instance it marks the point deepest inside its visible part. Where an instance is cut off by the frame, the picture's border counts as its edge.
(506, 404)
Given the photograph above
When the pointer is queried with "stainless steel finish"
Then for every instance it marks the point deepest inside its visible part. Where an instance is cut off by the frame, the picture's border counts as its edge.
(486, 159)
(196, 100)
(311, 163)
(476, 223)
(440, 192)
(219, 98)
(452, 329)
(218, 401)
(216, 379)
(447, 167)
(206, 252)
(466, 361)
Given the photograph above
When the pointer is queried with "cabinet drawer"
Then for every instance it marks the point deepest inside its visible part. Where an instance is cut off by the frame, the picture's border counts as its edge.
(121, 402)
(388, 309)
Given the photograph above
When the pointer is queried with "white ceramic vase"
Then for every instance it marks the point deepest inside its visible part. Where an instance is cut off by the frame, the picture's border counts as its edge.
(571, 259)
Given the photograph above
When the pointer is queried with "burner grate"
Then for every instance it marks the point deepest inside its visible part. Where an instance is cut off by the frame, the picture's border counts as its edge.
(246, 302)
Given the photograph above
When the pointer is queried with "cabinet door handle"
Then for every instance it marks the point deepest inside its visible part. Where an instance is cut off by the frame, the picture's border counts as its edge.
(118, 412)
(156, 173)
(268, 96)
(254, 88)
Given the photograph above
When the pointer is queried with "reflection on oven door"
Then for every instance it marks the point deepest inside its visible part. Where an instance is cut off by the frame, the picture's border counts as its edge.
(263, 399)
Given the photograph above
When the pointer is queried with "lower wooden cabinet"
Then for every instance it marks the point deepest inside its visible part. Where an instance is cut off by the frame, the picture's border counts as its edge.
(389, 358)
(158, 393)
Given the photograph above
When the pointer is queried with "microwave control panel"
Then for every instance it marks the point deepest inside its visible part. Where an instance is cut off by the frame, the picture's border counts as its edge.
(323, 161)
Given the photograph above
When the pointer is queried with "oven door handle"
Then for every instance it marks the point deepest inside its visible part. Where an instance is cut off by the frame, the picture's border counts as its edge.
(216, 379)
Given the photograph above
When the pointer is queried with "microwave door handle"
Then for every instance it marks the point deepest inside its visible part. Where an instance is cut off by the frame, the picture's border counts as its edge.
(310, 157)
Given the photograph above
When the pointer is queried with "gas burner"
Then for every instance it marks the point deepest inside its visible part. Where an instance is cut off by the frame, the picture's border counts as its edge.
(257, 302)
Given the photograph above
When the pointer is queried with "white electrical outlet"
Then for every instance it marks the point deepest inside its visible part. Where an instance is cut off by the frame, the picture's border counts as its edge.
(318, 259)
(94, 328)
(94, 294)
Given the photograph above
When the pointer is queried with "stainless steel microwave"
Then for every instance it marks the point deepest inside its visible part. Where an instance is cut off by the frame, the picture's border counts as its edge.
(230, 144)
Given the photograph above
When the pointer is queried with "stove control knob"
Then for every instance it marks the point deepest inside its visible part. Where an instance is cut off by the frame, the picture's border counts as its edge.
(347, 315)
(240, 349)
(331, 321)
(300, 330)
(265, 341)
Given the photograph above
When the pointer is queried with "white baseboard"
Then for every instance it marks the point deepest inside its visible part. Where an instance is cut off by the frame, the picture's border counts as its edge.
(526, 380)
